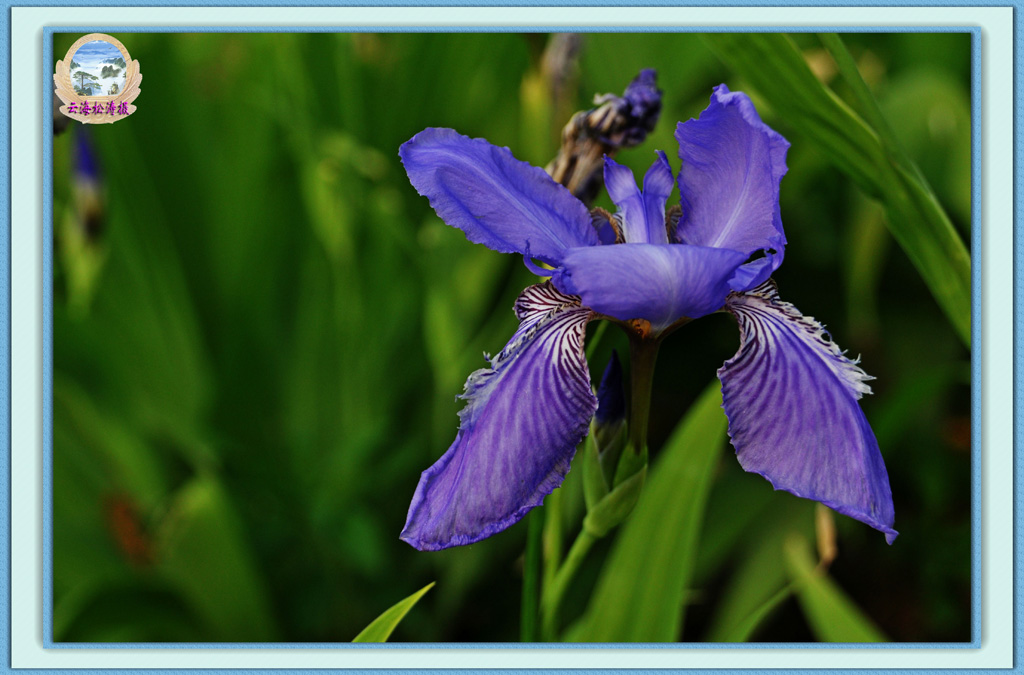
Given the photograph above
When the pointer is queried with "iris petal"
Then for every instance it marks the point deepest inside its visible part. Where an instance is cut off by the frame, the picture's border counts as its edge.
(645, 281)
(642, 214)
(756, 272)
(622, 189)
(495, 199)
(791, 399)
(729, 182)
(523, 419)
(657, 187)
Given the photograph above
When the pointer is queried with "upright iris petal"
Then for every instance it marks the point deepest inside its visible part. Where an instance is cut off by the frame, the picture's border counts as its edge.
(630, 202)
(642, 214)
(729, 184)
(657, 188)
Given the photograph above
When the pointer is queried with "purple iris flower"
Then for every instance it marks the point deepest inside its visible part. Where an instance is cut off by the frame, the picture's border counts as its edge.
(789, 392)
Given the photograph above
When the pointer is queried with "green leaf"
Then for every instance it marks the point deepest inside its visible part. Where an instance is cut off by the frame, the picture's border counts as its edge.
(745, 627)
(595, 487)
(870, 156)
(930, 112)
(381, 628)
(831, 614)
(201, 550)
(867, 244)
(640, 593)
(760, 583)
(615, 506)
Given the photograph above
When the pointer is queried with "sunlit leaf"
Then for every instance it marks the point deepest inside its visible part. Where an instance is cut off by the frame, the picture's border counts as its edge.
(380, 629)
(759, 583)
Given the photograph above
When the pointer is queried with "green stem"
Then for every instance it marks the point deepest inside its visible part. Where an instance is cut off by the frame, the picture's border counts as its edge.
(595, 339)
(552, 539)
(531, 577)
(643, 354)
(554, 592)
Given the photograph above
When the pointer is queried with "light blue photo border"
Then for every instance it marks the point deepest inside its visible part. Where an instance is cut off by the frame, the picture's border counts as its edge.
(48, 59)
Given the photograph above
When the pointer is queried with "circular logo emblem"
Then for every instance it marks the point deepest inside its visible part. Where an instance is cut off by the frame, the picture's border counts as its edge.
(97, 80)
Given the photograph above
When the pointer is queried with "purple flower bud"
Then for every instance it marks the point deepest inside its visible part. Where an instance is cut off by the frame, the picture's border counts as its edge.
(611, 399)
(618, 122)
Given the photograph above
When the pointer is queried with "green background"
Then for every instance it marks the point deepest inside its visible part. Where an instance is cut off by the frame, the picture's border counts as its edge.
(260, 329)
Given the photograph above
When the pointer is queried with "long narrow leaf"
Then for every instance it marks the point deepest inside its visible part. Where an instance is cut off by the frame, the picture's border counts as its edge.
(743, 629)
(774, 65)
(640, 594)
(830, 613)
(380, 629)
(760, 583)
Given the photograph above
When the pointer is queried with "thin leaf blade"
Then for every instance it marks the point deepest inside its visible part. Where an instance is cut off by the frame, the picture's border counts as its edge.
(380, 629)
(759, 583)
(830, 613)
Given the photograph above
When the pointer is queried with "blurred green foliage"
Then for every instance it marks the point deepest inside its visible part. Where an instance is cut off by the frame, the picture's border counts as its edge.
(258, 351)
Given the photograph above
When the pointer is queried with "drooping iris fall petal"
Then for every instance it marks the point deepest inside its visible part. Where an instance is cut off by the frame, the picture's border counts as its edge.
(791, 398)
(523, 418)
(495, 199)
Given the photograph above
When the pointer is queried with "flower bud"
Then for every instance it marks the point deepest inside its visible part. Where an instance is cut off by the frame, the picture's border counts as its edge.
(617, 122)
(611, 404)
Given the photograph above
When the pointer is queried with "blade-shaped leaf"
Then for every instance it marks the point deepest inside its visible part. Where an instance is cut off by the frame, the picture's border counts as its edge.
(760, 583)
(776, 68)
(640, 593)
(743, 629)
(202, 551)
(830, 613)
(380, 629)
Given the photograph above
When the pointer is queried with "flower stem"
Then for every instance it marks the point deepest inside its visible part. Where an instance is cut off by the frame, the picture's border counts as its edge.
(643, 354)
(531, 577)
(554, 592)
(552, 537)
